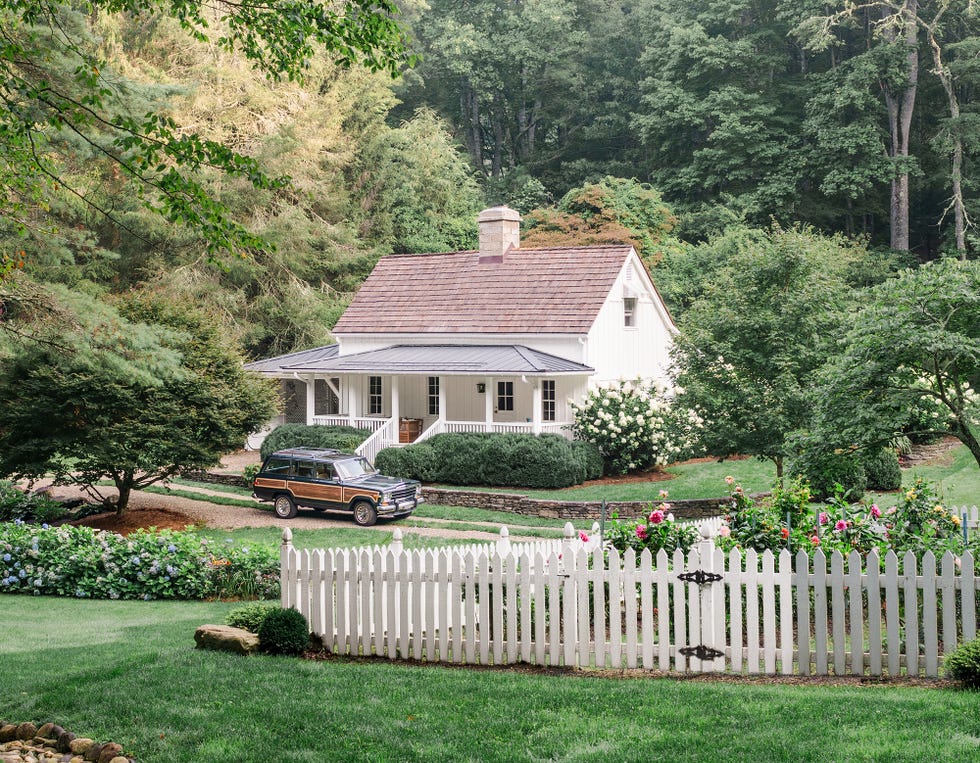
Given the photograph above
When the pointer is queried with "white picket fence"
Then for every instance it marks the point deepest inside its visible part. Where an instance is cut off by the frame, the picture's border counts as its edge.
(573, 607)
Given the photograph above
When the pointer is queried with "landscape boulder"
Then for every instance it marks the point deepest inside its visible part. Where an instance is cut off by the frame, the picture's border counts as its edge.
(224, 638)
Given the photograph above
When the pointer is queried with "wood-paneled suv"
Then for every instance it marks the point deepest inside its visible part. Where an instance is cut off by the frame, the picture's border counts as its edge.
(331, 480)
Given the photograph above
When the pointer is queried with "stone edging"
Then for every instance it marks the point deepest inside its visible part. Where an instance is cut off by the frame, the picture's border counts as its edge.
(26, 742)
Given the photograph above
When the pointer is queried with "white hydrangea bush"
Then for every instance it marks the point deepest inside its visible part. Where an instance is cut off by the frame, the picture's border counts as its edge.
(635, 425)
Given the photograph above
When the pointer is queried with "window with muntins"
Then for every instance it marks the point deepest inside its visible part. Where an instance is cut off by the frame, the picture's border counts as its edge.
(629, 312)
(547, 399)
(374, 395)
(433, 395)
(505, 396)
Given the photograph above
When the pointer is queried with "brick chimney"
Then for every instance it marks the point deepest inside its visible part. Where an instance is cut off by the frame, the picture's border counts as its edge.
(500, 230)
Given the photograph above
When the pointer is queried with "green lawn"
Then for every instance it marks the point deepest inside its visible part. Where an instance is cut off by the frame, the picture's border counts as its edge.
(128, 672)
(959, 480)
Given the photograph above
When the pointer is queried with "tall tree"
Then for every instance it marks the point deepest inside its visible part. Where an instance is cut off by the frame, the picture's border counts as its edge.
(749, 345)
(60, 99)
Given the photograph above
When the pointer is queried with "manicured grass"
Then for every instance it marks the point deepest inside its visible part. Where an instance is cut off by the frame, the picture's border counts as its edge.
(330, 537)
(215, 486)
(959, 481)
(128, 672)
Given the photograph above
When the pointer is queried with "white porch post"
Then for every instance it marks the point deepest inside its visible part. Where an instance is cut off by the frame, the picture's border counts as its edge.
(353, 385)
(394, 399)
(536, 406)
(489, 404)
(442, 398)
(310, 398)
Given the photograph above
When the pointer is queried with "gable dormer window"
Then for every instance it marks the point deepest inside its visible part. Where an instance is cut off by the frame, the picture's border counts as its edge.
(629, 312)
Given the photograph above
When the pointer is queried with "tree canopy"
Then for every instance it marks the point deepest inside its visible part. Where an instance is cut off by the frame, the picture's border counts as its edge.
(915, 342)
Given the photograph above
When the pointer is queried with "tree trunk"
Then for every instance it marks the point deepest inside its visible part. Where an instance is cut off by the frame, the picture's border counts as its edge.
(125, 490)
(469, 108)
(901, 104)
(956, 168)
(779, 470)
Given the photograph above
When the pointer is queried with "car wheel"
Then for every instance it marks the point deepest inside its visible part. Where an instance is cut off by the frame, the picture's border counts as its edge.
(284, 506)
(364, 514)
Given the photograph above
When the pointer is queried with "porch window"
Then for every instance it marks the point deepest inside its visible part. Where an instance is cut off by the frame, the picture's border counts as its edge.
(505, 396)
(374, 395)
(547, 399)
(629, 312)
(433, 395)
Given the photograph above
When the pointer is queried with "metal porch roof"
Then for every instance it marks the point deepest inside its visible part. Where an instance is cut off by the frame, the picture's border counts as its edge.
(484, 360)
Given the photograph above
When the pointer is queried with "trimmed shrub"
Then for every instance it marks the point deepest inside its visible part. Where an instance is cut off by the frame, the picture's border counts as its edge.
(312, 436)
(882, 470)
(284, 631)
(29, 507)
(963, 664)
(823, 469)
(478, 458)
(251, 616)
(590, 457)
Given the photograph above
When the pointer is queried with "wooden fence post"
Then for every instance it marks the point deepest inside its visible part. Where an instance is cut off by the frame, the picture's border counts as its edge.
(287, 579)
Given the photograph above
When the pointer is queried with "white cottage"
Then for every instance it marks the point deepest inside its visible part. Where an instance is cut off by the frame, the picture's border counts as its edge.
(495, 340)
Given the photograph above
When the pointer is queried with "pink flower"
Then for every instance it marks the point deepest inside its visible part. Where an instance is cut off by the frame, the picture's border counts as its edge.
(841, 525)
(729, 480)
(875, 511)
(724, 531)
(656, 517)
(582, 536)
(641, 532)
(663, 495)
(815, 540)
(824, 517)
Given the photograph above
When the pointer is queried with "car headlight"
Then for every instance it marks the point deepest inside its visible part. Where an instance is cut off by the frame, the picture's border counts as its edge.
(386, 498)
(418, 492)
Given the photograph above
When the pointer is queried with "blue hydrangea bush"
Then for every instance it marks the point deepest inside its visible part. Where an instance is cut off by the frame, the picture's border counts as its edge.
(148, 564)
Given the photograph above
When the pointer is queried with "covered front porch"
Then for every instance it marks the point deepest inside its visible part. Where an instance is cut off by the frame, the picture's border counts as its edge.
(407, 394)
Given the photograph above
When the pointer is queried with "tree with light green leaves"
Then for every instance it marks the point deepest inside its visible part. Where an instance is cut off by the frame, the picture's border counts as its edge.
(132, 393)
(762, 325)
(914, 343)
(64, 105)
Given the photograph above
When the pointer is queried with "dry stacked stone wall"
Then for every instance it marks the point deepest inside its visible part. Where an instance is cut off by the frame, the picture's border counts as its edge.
(50, 743)
(516, 503)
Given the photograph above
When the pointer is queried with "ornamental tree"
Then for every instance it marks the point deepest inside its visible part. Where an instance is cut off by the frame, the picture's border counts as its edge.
(914, 344)
(132, 395)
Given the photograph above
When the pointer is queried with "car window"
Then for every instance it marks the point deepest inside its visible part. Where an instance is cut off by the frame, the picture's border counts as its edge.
(324, 471)
(304, 468)
(277, 466)
(351, 468)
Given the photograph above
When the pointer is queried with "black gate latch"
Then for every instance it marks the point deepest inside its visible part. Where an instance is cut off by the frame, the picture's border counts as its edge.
(701, 651)
(699, 576)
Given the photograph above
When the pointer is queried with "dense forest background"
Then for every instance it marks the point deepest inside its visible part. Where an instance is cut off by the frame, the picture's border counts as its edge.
(684, 127)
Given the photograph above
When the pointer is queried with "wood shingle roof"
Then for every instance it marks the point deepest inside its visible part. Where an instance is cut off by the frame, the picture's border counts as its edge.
(556, 290)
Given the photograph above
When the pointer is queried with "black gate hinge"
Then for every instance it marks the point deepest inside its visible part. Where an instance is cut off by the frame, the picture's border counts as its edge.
(699, 576)
(701, 651)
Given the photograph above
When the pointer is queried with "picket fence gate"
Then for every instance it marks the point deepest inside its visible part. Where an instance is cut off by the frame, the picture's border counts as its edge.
(572, 606)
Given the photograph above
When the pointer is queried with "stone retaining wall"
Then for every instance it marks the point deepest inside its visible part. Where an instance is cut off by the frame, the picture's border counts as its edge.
(516, 503)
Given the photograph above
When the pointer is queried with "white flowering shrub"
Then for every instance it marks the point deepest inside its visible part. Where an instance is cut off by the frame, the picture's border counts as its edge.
(635, 425)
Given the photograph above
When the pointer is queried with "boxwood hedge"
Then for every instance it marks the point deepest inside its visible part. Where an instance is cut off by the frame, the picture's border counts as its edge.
(514, 460)
(313, 436)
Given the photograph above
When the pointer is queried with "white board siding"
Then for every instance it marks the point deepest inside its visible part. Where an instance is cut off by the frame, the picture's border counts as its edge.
(617, 351)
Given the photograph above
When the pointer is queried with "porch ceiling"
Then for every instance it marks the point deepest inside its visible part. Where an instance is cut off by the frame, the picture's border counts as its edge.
(484, 360)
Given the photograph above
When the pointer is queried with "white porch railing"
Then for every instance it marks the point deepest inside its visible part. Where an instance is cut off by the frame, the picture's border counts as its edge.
(371, 423)
(518, 427)
(384, 436)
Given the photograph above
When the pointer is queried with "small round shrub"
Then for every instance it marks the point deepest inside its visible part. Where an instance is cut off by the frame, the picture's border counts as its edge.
(416, 462)
(963, 664)
(284, 631)
(312, 436)
(251, 616)
(882, 470)
(823, 469)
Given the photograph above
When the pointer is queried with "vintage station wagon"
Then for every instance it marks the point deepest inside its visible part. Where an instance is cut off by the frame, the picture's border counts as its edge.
(331, 480)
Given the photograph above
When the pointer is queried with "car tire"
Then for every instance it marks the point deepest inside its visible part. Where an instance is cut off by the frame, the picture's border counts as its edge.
(365, 514)
(284, 506)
